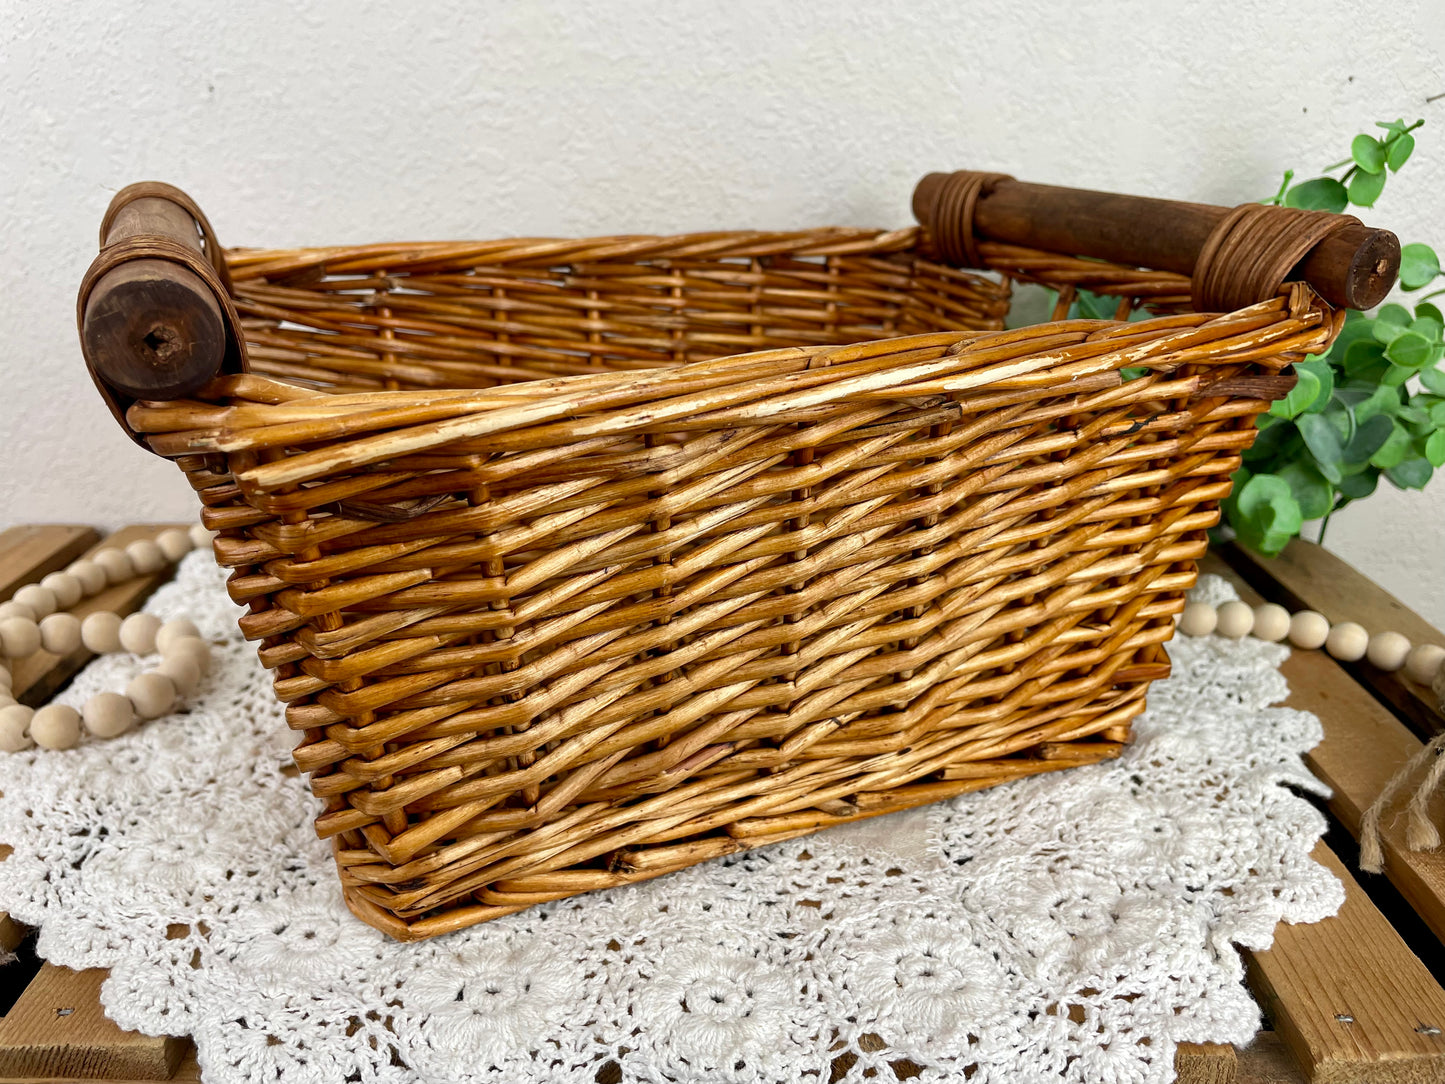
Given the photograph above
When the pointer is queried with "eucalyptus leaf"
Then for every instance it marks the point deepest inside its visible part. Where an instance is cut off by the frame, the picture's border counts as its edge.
(1383, 400)
(1428, 326)
(1433, 380)
(1325, 374)
(1411, 474)
(1396, 447)
(1308, 487)
(1398, 152)
(1368, 153)
(1396, 375)
(1369, 438)
(1357, 487)
(1425, 309)
(1364, 356)
(1324, 443)
(1435, 448)
(1304, 393)
(1320, 194)
(1411, 350)
(1365, 188)
(1418, 266)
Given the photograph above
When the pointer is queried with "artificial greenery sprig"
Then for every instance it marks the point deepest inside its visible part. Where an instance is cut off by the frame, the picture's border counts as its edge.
(1352, 416)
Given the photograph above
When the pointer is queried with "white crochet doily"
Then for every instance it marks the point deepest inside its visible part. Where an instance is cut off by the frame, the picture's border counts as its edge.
(1073, 926)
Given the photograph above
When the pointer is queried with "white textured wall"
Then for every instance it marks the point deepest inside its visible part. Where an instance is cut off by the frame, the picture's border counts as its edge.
(364, 121)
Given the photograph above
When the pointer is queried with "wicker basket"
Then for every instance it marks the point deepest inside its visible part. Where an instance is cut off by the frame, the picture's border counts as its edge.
(577, 562)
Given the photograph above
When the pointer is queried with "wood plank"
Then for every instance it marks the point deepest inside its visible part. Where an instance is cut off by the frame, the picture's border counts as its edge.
(1348, 997)
(40, 676)
(1267, 1060)
(1364, 745)
(187, 1072)
(1307, 576)
(57, 1029)
(1205, 1063)
(31, 552)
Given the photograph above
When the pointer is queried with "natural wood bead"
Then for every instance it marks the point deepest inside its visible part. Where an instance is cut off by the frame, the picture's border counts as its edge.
(15, 728)
(19, 637)
(1234, 619)
(200, 537)
(1387, 650)
(1308, 629)
(56, 726)
(100, 632)
(117, 565)
(179, 628)
(146, 556)
(196, 650)
(152, 694)
(1347, 641)
(40, 599)
(184, 673)
(6, 678)
(108, 715)
(1424, 662)
(67, 589)
(14, 609)
(60, 633)
(91, 576)
(1271, 622)
(1198, 619)
(174, 543)
(138, 633)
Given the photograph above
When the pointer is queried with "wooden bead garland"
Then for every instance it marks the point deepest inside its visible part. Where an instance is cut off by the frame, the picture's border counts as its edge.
(35, 619)
(184, 656)
(1347, 641)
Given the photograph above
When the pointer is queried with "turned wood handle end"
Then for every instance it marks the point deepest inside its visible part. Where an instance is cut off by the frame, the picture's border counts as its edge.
(151, 327)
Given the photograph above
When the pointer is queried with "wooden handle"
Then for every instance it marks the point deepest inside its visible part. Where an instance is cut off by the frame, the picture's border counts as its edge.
(1354, 267)
(151, 327)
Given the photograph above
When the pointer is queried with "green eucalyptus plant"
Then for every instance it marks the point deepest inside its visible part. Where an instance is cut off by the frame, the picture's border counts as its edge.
(1353, 415)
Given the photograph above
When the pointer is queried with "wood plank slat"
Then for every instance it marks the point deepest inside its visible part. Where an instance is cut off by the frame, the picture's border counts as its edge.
(1348, 997)
(1307, 576)
(30, 553)
(189, 1072)
(57, 1029)
(1364, 745)
(1205, 1063)
(39, 677)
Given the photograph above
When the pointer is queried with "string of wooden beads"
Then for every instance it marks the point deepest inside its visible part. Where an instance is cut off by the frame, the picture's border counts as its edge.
(35, 619)
(1346, 641)
(185, 657)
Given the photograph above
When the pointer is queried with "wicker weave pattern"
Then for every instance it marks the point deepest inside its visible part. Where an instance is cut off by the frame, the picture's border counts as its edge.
(550, 624)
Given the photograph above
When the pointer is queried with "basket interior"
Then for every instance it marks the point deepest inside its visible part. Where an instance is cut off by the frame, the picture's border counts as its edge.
(469, 316)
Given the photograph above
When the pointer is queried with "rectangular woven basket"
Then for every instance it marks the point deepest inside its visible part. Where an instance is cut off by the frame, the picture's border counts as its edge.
(578, 562)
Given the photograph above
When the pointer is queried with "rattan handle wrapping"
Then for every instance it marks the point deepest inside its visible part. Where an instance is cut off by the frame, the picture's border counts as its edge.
(1236, 256)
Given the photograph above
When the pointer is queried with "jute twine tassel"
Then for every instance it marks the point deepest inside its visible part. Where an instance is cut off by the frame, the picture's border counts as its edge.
(1420, 832)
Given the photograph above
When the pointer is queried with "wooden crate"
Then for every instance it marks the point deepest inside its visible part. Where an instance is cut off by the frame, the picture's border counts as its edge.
(1347, 999)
